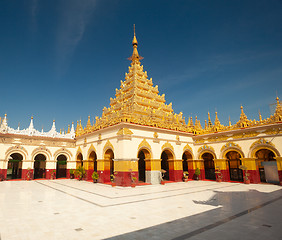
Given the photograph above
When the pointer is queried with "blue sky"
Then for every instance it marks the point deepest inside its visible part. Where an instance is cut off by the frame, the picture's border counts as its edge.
(63, 60)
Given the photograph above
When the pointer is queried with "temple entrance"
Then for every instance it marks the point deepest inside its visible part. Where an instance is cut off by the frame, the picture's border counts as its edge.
(142, 155)
(79, 160)
(61, 168)
(166, 155)
(39, 166)
(236, 174)
(186, 156)
(14, 169)
(264, 157)
(209, 166)
(93, 159)
(109, 155)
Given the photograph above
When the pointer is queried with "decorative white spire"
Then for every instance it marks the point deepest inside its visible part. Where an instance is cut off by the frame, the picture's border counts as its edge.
(31, 129)
(4, 125)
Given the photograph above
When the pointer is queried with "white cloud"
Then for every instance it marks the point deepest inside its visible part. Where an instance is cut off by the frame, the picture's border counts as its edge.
(74, 18)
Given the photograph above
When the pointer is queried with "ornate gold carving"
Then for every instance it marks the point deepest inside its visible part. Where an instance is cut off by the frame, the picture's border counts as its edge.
(107, 146)
(16, 148)
(177, 138)
(205, 147)
(145, 144)
(138, 101)
(41, 150)
(63, 151)
(156, 135)
(78, 151)
(187, 148)
(124, 131)
(262, 141)
(273, 131)
(91, 148)
(230, 145)
(168, 145)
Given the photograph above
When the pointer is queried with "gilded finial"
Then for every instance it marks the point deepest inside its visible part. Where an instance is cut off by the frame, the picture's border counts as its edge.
(209, 120)
(229, 122)
(134, 41)
(135, 56)
(260, 118)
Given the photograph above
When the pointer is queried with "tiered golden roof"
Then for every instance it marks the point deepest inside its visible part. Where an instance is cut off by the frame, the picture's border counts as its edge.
(138, 101)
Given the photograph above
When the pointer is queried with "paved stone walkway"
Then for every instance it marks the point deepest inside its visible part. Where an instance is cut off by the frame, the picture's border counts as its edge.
(71, 209)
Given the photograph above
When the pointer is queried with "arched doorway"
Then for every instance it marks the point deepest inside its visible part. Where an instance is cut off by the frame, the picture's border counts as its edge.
(142, 155)
(61, 168)
(14, 169)
(93, 159)
(166, 155)
(209, 166)
(263, 156)
(79, 160)
(236, 174)
(186, 156)
(39, 166)
(109, 155)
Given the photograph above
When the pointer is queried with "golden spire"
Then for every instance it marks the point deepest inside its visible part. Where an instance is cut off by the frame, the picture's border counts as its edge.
(88, 123)
(68, 129)
(244, 121)
(209, 120)
(216, 121)
(229, 122)
(135, 55)
(278, 111)
(191, 122)
(260, 118)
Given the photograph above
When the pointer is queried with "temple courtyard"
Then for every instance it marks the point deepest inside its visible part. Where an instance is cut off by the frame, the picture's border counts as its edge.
(72, 209)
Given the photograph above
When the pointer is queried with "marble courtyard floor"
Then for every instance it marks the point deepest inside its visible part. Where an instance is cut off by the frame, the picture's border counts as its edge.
(71, 209)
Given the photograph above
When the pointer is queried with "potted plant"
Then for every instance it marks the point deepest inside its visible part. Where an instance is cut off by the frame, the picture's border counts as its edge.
(197, 173)
(162, 174)
(80, 172)
(95, 177)
(28, 174)
(185, 176)
(53, 174)
(246, 174)
(113, 179)
(71, 173)
(218, 174)
(133, 181)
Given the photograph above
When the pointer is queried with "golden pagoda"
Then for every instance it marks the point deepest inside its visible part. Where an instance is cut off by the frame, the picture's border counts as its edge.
(138, 101)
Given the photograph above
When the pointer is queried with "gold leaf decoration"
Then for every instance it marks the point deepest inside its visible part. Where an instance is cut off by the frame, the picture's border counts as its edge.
(124, 131)
(108, 145)
(168, 145)
(145, 144)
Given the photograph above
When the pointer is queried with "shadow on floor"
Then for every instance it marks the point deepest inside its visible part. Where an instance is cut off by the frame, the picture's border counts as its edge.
(231, 205)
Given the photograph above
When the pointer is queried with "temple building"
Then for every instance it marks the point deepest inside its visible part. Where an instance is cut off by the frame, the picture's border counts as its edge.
(139, 135)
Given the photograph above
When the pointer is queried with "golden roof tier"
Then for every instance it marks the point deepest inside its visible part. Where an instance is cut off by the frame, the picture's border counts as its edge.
(138, 101)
